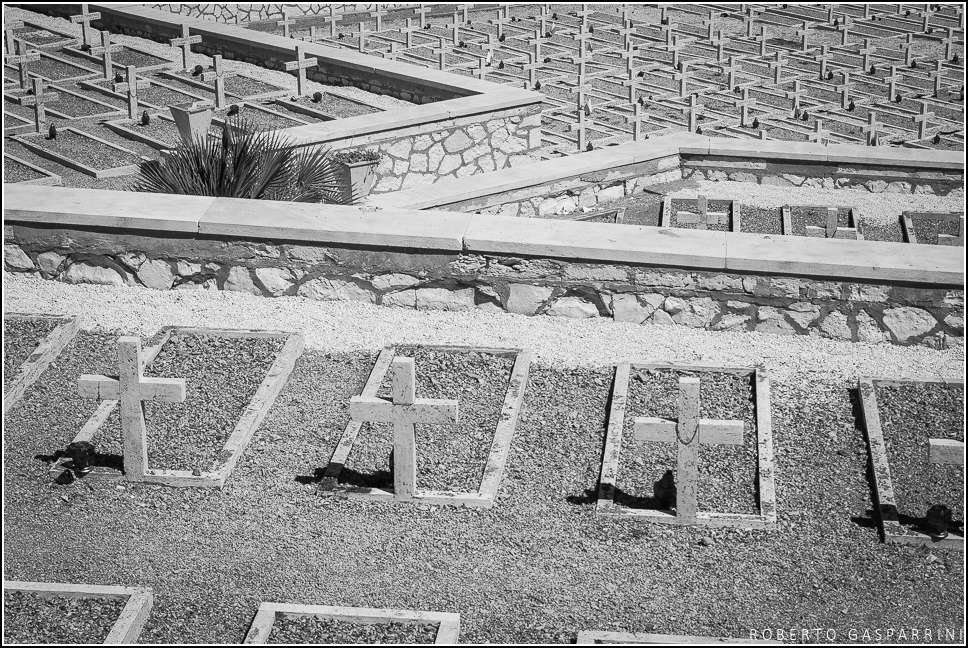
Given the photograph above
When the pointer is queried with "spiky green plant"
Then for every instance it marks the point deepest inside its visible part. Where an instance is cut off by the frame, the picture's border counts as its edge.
(244, 163)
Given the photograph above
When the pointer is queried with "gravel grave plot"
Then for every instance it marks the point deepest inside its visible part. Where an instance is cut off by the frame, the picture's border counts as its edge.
(16, 172)
(159, 129)
(689, 205)
(71, 177)
(20, 339)
(204, 552)
(221, 376)
(801, 216)
(56, 70)
(74, 106)
(178, 84)
(761, 220)
(927, 228)
(879, 230)
(87, 151)
(449, 457)
(38, 37)
(128, 56)
(909, 416)
(727, 482)
(337, 106)
(263, 119)
(30, 618)
(316, 630)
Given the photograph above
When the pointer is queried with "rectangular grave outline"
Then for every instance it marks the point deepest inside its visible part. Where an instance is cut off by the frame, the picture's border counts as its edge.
(498, 454)
(275, 379)
(172, 74)
(130, 622)
(51, 179)
(448, 623)
(92, 58)
(766, 484)
(90, 84)
(112, 172)
(589, 637)
(88, 71)
(26, 127)
(40, 358)
(121, 127)
(53, 87)
(66, 39)
(886, 504)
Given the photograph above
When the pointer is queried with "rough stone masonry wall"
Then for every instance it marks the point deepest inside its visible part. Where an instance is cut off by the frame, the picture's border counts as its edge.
(458, 152)
(254, 12)
(461, 281)
(874, 178)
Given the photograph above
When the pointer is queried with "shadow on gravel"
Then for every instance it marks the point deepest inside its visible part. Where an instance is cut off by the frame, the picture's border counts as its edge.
(590, 496)
(95, 460)
(350, 477)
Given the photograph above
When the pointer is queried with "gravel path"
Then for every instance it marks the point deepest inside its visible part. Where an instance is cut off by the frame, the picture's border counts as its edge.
(20, 339)
(29, 618)
(314, 630)
(16, 172)
(872, 206)
(344, 326)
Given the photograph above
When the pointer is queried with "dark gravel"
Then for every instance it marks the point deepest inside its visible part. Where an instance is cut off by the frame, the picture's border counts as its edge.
(221, 376)
(30, 618)
(449, 457)
(337, 107)
(264, 119)
(536, 568)
(761, 220)
(89, 152)
(879, 230)
(75, 106)
(928, 227)
(56, 70)
(727, 473)
(159, 129)
(315, 630)
(16, 172)
(20, 339)
(245, 86)
(910, 415)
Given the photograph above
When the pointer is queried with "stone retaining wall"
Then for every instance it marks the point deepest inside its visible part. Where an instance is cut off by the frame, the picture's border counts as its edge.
(241, 13)
(461, 280)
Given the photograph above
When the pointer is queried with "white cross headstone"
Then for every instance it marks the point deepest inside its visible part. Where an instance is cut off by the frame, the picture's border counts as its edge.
(688, 433)
(106, 49)
(85, 18)
(403, 411)
(37, 100)
(21, 59)
(217, 76)
(131, 86)
(131, 388)
(300, 65)
(185, 42)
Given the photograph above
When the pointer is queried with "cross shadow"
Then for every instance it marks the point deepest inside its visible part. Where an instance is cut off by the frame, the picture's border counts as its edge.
(96, 460)
(663, 496)
(350, 477)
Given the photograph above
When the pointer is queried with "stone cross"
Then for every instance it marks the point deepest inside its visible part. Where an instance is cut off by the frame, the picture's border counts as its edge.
(777, 66)
(946, 452)
(105, 50)
(871, 129)
(403, 411)
(131, 388)
(802, 33)
(185, 42)
(131, 86)
(688, 433)
(300, 65)
(824, 59)
(37, 100)
(217, 77)
(361, 41)
(938, 76)
(818, 134)
(8, 34)
(85, 18)
(922, 120)
(21, 60)
(732, 69)
(866, 52)
(744, 105)
(720, 43)
(892, 80)
(286, 23)
(844, 88)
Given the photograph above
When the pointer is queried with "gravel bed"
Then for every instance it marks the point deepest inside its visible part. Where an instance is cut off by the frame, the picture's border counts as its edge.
(246, 86)
(909, 416)
(927, 228)
(449, 457)
(128, 56)
(16, 172)
(692, 206)
(37, 37)
(888, 230)
(801, 217)
(189, 88)
(761, 220)
(159, 129)
(221, 376)
(336, 106)
(87, 151)
(56, 70)
(316, 630)
(727, 474)
(263, 119)
(20, 339)
(74, 106)
(30, 618)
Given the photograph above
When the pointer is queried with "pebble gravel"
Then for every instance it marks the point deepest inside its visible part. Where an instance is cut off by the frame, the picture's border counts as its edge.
(20, 339)
(316, 630)
(34, 619)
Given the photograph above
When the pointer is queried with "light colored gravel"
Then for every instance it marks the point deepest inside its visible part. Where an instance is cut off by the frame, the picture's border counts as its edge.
(873, 206)
(276, 77)
(344, 326)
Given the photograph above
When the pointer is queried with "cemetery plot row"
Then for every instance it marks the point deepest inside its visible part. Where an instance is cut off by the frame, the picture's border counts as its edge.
(30, 344)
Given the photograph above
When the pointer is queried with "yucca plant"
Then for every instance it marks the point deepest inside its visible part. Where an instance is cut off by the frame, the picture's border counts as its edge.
(244, 162)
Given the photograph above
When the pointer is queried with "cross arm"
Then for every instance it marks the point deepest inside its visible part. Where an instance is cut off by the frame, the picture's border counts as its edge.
(169, 390)
(946, 451)
(648, 428)
(302, 63)
(716, 431)
(422, 410)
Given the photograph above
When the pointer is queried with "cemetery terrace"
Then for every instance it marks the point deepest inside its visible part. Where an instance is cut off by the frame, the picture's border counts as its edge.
(636, 323)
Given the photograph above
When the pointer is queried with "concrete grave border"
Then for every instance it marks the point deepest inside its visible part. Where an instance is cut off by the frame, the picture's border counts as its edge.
(46, 352)
(275, 379)
(111, 110)
(765, 473)
(588, 637)
(131, 621)
(49, 179)
(121, 127)
(112, 172)
(497, 456)
(886, 503)
(448, 623)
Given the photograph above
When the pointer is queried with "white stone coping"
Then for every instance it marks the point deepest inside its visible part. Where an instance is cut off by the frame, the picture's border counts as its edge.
(479, 96)
(456, 232)
(454, 190)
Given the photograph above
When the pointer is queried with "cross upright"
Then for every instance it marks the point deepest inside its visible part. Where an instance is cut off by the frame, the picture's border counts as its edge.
(922, 120)
(824, 58)
(21, 59)
(892, 80)
(9, 38)
(286, 23)
(688, 433)
(795, 95)
(732, 69)
(819, 134)
(844, 89)
(777, 66)
(720, 43)
(300, 65)
(682, 78)
(85, 18)
(938, 76)
(871, 129)
(361, 41)
(105, 49)
(185, 42)
(404, 410)
(131, 389)
(802, 33)
(131, 86)
(217, 76)
(866, 52)
(37, 100)
(744, 105)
